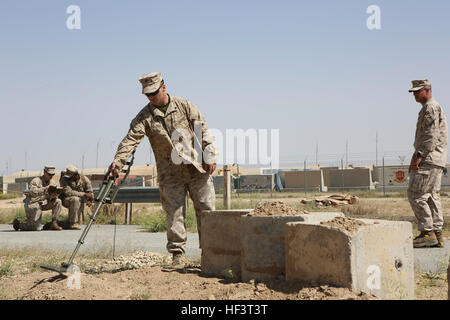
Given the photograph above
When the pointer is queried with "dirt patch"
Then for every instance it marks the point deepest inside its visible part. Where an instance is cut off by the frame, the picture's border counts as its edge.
(343, 223)
(332, 293)
(11, 203)
(155, 279)
(276, 208)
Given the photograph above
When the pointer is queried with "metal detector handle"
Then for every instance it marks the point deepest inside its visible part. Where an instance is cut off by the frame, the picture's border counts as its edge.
(127, 172)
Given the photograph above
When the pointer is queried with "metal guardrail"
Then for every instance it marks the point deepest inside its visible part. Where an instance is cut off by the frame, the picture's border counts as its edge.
(136, 195)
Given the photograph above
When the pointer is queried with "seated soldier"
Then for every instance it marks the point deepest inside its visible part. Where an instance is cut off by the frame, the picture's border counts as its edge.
(42, 196)
(77, 190)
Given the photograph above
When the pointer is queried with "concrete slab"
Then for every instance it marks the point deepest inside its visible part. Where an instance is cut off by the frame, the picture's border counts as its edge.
(377, 258)
(221, 242)
(263, 247)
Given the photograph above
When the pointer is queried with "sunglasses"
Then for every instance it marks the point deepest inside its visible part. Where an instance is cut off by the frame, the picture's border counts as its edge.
(152, 94)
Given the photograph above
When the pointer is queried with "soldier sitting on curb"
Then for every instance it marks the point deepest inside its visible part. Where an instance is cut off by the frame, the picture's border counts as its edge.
(42, 196)
(77, 190)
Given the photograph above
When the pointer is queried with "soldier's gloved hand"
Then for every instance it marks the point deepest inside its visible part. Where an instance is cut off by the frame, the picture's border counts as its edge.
(89, 196)
(113, 170)
(415, 163)
(209, 167)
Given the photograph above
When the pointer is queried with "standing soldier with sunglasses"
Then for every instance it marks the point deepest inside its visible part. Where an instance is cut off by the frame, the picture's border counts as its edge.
(427, 165)
(185, 155)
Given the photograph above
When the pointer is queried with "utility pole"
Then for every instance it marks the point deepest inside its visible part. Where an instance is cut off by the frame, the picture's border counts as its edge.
(96, 158)
(317, 154)
(376, 149)
(346, 152)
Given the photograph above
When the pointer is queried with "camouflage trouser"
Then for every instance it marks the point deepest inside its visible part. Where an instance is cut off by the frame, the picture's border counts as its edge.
(173, 186)
(34, 214)
(424, 196)
(76, 208)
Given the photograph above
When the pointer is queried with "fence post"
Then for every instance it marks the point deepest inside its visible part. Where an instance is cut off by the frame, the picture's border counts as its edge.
(227, 187)
(128, 212)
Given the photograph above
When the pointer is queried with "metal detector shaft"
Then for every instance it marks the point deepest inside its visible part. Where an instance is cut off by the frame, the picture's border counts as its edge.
(106, 194)
(103, 192)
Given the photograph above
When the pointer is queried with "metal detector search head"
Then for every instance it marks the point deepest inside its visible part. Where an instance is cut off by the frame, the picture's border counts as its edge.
(60, 270)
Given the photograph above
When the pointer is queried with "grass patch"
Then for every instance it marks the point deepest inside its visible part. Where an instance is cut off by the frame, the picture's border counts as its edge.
(144, 295)
(10, 196)
(153, 222)
(6, 268)
(30, 259)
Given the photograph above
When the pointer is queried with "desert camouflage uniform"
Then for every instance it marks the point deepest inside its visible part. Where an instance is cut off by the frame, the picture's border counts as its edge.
(38, 200)
(175, 179)
(73, 194)
(425, 183)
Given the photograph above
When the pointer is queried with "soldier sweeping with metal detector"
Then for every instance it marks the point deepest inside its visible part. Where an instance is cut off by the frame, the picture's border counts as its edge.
(184, 160)
(106, 194)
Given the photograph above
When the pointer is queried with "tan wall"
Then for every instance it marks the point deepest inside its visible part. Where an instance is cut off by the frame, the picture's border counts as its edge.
(257, 182)
(326, 174)
(302, 179)
(358, 177)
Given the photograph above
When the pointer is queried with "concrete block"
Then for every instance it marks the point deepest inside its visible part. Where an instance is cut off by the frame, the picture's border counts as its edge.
(310, 179)
(355, 178)
(263, 247)
(221, 242)
(376, 258)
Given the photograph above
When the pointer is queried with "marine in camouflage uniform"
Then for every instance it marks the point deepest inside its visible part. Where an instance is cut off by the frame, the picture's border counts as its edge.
(184, 160)
(77, 191)
(38, 199)
(427, 165)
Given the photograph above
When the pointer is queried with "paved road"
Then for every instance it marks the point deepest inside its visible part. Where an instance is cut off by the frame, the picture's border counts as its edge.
(130, 238)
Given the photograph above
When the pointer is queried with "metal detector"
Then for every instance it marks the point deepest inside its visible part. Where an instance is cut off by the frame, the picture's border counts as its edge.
(106, 194)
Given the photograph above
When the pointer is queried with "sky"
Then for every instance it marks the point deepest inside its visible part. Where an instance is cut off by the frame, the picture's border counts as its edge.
(334, 88)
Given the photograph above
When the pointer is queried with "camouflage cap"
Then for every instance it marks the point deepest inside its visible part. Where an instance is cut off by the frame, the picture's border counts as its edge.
(150, 82)
(71, 170)
(50, 170)
(419, 85)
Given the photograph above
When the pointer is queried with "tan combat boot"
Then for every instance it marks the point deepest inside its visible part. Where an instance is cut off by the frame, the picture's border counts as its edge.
(54, 225)
(425, 239)
(440, 238)
(74, 226)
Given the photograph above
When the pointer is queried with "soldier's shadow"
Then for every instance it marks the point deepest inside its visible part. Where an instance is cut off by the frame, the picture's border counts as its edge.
(56, 278)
